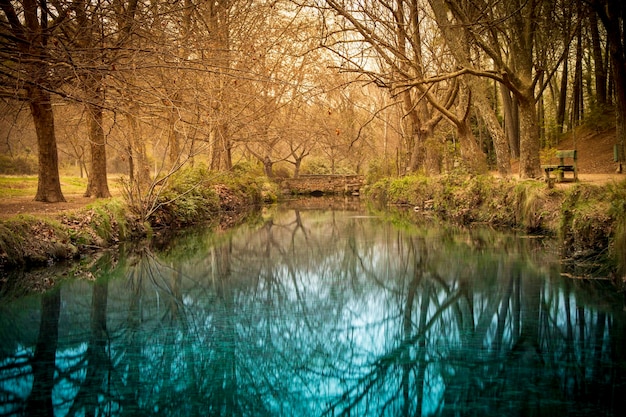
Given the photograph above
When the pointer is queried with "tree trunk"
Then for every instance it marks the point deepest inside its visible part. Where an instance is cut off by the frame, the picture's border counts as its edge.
(562, 106)
(577, 92)
(297, 165)
(416, 136)
(511, 121)
(49, 183)
(173, 136)
(457, 41)
(173, 140)
(598, 60)
(220, 154)
(529, 140)
(219, 25)
(418, 152)
(472, 155)
(97, 185)
(498, 135)
(268, 167)
(138, 158)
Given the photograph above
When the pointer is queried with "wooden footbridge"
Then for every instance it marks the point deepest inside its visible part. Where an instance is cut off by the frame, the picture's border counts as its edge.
(323, 184)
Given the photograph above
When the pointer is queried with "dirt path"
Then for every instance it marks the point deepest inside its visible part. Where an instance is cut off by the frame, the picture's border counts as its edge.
(13, 206)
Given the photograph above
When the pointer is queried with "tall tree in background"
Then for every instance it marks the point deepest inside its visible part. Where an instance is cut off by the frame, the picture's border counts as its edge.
(460, 48)
(87, 33)
(96, 38)
(217, 17)
(612, 13)
(515, 36)
(28, 73)
(395, 44)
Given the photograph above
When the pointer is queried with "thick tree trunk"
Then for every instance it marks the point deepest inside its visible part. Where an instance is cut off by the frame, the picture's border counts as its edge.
(220, 149)
(529, 139)
(416, 136)
(268, 167)
(511, 121)
(418, 151)
(457, 41)
(49, 183)
(498, 136)
(473, 156)
(97, 185)
(296, 167)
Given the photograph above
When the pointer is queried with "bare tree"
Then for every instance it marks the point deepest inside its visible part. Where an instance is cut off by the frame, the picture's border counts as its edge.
(460, 48)
(28, 73)
(508, 33)
(612, 14)
(395, 44)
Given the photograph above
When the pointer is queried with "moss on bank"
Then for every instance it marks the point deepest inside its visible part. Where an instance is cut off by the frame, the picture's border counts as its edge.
(590, 220)
(193, 196)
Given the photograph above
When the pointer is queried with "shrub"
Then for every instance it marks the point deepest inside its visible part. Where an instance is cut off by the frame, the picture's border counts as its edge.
(315, 166)
(378, 169)
(20, 165)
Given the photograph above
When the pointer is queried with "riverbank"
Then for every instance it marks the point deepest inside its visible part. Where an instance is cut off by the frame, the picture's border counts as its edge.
(588, 219)
(69, 231)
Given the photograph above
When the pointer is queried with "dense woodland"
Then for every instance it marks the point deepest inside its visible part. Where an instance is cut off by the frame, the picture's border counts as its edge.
(376, 87)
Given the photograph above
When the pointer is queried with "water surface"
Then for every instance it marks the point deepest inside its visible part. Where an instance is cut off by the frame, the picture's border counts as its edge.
(319, 313)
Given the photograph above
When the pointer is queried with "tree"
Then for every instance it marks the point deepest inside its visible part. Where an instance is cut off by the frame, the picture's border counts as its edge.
(28, 73)
(612, 14)
(460, 48)
(95, 38)
(394, 44)
(514, 39)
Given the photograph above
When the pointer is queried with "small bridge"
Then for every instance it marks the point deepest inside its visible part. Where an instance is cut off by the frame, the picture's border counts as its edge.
(323, 184)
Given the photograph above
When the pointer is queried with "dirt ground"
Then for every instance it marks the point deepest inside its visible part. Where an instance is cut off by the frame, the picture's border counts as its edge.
(595, 166)
(26, 205)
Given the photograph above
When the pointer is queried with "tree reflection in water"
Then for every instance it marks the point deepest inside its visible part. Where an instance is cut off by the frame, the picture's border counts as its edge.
(319, 313)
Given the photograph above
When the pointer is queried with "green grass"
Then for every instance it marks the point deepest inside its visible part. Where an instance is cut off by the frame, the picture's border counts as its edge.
(17, 186)
(26, 185)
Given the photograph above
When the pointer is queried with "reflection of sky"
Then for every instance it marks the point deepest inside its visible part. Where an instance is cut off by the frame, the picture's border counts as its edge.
(295, 333)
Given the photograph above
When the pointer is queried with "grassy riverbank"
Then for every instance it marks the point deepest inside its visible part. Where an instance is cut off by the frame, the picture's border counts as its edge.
(589, 220)
(193, 196)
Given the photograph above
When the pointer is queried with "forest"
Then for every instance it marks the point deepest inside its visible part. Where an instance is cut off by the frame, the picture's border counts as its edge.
(141, 89)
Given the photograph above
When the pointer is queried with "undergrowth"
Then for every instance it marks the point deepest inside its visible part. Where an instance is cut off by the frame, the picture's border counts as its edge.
(196, 194)
(191, 196)
(589, 220)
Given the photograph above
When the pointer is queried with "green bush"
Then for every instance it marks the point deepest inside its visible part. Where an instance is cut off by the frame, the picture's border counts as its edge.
(378, 169)
(197, 194)
(20, 165)
(315, 166)
(187, 197)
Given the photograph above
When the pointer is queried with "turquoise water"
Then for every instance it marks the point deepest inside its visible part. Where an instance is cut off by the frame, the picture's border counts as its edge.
(320, 313)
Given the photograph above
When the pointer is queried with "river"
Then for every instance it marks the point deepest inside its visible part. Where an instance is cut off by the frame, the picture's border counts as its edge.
(320, 312)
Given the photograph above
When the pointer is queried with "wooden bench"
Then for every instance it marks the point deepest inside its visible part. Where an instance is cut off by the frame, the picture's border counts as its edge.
(562, 167)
